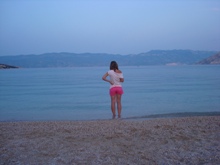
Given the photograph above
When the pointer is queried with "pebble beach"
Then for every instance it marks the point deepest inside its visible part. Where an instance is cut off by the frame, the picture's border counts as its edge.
(183, 140)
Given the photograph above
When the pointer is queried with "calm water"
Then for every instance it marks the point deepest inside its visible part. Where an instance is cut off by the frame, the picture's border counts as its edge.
(80, 94)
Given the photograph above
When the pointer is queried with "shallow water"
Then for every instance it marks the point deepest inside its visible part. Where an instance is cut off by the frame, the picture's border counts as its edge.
(80, 94)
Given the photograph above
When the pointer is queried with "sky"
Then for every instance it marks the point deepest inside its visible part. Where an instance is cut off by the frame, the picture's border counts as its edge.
(108, 26)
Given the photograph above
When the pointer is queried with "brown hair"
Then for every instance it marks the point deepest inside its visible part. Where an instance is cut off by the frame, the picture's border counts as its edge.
(114, 66)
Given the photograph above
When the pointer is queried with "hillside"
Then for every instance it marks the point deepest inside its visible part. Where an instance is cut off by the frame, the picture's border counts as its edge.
(154, 57)
(212, 60)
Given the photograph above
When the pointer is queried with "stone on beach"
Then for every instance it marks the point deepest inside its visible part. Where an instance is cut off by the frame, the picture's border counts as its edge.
(186, 140)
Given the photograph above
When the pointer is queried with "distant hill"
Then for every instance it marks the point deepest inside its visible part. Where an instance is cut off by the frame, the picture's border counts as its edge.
(154, 57)
(212, 60)
(4, 66)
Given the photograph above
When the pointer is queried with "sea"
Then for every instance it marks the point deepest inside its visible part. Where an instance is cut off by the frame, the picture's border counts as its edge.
(79, 93)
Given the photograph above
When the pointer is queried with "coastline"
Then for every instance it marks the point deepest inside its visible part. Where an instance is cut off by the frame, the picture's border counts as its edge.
(177, 140)
(144, 117)
(174, 115)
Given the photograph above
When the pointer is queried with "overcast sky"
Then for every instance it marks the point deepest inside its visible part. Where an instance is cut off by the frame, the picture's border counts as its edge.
(108, 26)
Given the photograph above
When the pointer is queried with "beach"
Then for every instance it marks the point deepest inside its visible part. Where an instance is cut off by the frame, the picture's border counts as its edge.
(182, 140)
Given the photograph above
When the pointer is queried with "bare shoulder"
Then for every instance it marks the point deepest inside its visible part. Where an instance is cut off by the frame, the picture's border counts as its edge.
(118, 71)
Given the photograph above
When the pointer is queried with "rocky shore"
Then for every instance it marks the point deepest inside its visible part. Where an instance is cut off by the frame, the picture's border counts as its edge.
(185, 140)
(4, 66)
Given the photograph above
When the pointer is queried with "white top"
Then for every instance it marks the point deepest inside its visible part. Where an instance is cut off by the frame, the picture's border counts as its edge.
(115, 78)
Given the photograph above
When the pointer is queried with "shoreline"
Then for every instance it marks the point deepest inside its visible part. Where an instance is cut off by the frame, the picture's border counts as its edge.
(175, 115)
(144, 117)
(180, 140)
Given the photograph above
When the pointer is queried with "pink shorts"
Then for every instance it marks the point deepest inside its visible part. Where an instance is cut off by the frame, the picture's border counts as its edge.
(116, 90)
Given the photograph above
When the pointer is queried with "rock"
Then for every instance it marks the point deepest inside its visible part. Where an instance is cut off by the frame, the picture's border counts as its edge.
(4, 66)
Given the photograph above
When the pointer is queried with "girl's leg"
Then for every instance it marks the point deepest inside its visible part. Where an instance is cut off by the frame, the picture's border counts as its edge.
(119, 106)
(113, 98)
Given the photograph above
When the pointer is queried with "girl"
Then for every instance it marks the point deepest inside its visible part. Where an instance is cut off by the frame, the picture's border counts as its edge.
(116, 91)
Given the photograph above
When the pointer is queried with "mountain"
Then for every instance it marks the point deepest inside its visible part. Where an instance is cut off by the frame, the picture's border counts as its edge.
(154, 57)
(172, 57)
(212, 60)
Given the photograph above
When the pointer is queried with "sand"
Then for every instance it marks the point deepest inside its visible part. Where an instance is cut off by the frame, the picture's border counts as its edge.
(186, 140)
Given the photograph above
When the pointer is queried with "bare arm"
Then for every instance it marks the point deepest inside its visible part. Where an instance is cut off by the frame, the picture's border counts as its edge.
(121, 79)
(104, 77)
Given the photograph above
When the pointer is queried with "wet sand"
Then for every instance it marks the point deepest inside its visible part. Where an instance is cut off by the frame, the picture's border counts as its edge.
(185, 140)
